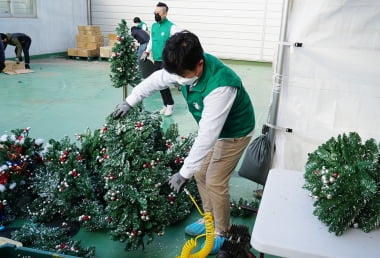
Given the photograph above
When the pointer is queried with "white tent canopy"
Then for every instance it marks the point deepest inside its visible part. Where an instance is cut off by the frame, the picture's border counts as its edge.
(331, 84)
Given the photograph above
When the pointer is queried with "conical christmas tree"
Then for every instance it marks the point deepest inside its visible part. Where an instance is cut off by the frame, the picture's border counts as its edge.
(124, 66)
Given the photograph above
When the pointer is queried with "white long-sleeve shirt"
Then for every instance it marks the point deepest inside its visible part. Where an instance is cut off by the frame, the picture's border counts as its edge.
(217, 106)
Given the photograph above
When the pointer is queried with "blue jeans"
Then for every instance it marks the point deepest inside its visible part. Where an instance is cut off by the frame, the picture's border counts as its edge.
(141, 50)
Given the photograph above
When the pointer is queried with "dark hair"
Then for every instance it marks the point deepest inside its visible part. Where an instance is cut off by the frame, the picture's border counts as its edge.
(161, 4)
(3, 36)
(182, 52)
(136, 20)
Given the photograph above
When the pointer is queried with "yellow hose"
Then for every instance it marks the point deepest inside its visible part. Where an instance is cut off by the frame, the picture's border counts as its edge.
(210, 233)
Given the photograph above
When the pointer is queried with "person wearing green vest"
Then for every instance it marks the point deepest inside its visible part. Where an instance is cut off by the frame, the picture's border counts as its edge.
(222, 108)
(161, 30)
(140, 24)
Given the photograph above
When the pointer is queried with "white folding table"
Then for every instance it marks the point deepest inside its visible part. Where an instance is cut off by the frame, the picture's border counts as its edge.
(285, 225)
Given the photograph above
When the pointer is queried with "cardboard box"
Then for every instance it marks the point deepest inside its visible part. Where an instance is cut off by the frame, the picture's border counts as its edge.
(112, 36)
(111, 42)
(105, 51)
(92, 28)
(20, 71)
(88, 41)
(88, 28)
(92, 32)
(81, 44)
(81, 37)
(72, 51)
(11, 67)
(92, 45)
(84, 52)
(96, 38)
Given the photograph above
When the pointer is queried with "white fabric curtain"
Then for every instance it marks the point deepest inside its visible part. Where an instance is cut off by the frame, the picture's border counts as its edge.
(331, 85)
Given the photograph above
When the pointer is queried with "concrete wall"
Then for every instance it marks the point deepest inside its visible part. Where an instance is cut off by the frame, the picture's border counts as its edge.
(53, 30)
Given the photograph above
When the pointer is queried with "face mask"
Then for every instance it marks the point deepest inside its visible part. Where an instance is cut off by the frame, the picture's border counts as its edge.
(157, 17)
(187, 81)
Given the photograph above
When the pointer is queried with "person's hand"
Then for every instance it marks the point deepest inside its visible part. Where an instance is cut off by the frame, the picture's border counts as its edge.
(144, 56)
(17, 60)
(177, 182)
(121, 110)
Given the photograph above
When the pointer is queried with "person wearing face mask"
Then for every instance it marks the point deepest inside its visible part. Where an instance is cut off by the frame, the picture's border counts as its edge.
(224, 112)
(161, 30)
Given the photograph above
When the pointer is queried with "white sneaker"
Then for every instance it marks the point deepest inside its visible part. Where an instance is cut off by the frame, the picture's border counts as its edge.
(162, 111)
(169, 110)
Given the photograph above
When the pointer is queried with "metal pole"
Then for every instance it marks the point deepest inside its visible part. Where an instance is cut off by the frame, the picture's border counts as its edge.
(277, 80)
(89, 15)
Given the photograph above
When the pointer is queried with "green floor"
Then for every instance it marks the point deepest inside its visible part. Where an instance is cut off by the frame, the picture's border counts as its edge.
(66, 96)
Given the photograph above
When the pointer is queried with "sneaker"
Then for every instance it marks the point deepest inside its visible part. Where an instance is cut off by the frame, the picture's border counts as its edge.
(197, 228)
(169, 110)
(27, 66)
(162, 111)
(218, 242)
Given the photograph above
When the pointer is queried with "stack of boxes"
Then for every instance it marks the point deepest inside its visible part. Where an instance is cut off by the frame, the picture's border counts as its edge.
(106, 51)
(89, 40)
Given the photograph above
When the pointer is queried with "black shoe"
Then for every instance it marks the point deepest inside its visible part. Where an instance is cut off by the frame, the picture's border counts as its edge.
(27, 66)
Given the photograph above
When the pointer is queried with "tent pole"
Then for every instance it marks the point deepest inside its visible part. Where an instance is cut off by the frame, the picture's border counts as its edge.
(277, 80)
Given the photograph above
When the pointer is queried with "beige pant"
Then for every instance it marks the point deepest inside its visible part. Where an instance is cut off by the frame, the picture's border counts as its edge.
(213, 179)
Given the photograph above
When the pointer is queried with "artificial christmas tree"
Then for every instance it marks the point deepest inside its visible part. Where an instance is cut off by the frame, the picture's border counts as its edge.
(65, 186)
(343, 177)
(112, 179)
(124, 66)
(19, 156)
(52, 239)
(141, 158)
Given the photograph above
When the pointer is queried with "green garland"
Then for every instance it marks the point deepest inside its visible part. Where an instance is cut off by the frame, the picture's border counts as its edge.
(343, 177)
(244, 208)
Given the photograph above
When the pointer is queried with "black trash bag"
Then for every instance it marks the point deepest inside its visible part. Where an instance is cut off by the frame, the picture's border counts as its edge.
(257, 159)
(146, 68)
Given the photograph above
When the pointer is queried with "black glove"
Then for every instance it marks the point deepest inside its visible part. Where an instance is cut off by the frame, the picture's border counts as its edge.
(177, 182)
(121, 110)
